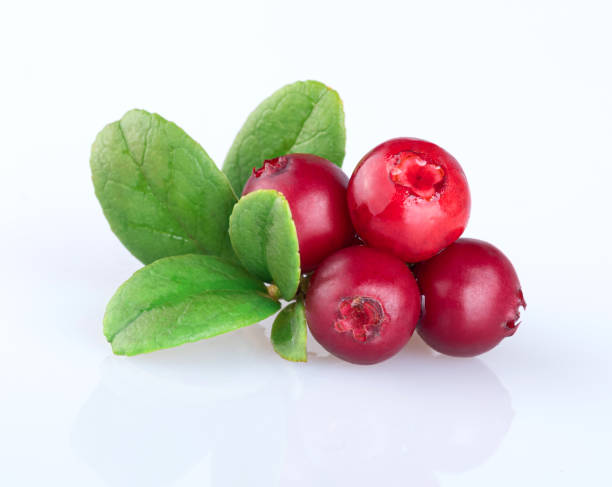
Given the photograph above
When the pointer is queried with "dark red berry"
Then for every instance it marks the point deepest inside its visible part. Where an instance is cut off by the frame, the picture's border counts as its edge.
(362, 304)
(472, 297)
(316, 192)
(409, 197)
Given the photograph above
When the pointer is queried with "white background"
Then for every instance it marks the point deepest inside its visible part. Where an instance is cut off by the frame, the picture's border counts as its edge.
(519, 92)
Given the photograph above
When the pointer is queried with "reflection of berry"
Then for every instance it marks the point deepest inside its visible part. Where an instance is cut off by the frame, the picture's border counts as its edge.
(316, 192)
(409, 197)
(472, 298)
(362, 304)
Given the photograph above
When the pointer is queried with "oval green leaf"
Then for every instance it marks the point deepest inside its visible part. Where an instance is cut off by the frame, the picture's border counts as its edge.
(289, 333)
(183, 299)
(264, 238)
(159, 190)
(304, 117)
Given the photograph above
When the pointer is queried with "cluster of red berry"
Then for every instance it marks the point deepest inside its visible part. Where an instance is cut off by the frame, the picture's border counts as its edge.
(399, 216)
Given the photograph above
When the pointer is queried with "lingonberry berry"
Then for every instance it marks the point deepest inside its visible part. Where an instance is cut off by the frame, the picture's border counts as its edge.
(362, 304)
(472, 297)
(409, 197)
(315, 189)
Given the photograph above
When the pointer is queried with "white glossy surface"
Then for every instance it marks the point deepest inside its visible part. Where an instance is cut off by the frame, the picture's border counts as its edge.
(519, 92)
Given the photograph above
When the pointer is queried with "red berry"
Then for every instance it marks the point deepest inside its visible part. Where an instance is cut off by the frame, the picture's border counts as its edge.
(472, 297)
(316, 192)
(362, 305)
(410, 197)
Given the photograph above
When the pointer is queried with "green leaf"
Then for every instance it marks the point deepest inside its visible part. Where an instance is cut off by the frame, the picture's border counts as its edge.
(183, 299)
(159, 190)
(289, 333)
(264, 238)
(304, 117)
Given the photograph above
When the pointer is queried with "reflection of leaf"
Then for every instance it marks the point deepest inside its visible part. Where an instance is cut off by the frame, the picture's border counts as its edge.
(264, 238)
(127, 421)
(159, 190)
(183, 299)
(289, 333)
(305, 117)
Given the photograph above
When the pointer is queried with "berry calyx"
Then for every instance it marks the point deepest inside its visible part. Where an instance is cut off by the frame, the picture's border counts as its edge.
(361, 316)
(271, 166)
(422, 178)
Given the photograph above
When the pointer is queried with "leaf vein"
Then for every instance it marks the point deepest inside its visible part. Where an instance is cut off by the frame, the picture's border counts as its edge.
(178, 300)
(178, 220)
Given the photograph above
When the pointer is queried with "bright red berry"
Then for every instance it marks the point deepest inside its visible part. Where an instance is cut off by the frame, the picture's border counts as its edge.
(472, 297)
(409, 197)
(362, 304)
(315, 189)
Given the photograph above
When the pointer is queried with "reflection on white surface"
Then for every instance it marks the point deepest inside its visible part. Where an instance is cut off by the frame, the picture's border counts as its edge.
(258, 420)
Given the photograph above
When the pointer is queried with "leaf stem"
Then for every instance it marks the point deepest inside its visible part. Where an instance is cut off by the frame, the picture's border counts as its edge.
(304, 284)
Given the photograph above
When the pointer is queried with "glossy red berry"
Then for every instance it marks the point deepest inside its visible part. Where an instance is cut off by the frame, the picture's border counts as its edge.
(409, 197)
(472, 297)
(315, 189)
(362, 304)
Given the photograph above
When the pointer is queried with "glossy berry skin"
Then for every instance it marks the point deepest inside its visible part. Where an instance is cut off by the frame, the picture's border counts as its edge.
(409, 197)
(315, 189)
(362, 304)
(472, 297)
